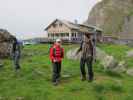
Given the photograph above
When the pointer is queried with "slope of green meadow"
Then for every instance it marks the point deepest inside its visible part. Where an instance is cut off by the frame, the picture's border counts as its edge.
(33, 82)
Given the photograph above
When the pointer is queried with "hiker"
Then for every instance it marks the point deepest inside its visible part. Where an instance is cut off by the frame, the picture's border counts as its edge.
(56, 56)
(16, 52)
(87, 55)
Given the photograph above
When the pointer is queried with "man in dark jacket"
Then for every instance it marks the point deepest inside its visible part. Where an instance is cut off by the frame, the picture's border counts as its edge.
(16, 52)
(56, 56)
(87, 55)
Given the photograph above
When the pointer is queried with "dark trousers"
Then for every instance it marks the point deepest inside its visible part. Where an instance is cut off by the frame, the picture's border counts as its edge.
(16, 59)
(56, 71)
(87, 61)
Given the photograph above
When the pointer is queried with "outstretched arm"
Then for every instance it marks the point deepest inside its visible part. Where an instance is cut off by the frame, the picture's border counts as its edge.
(93, 43)
(79, 48)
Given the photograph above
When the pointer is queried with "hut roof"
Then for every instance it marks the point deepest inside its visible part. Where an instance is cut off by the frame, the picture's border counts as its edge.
(79, 27)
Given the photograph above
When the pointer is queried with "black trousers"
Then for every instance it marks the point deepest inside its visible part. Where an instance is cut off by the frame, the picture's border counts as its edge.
(16, 59)
(56, 71)
(87, 61)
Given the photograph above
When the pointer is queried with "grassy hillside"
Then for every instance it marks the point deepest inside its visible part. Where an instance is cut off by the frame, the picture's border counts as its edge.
(33, 82)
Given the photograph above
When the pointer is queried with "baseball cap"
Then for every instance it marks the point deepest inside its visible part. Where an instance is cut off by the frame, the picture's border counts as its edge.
(58, 40)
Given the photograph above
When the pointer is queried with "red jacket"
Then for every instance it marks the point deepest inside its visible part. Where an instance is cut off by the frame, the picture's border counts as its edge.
(56, 53)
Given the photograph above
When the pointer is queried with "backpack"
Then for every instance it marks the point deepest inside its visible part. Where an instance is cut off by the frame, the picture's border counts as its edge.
(58, 53)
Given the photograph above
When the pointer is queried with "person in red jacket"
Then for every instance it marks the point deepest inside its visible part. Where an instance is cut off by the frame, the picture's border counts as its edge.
(56, 56)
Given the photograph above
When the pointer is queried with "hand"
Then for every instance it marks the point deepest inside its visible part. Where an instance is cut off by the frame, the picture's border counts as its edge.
(54, 60)
(77, 52)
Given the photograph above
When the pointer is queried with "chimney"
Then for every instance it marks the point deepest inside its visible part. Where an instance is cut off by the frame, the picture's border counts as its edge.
(75, 21)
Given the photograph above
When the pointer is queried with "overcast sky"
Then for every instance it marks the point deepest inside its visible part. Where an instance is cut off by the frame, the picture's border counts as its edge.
(28, 18)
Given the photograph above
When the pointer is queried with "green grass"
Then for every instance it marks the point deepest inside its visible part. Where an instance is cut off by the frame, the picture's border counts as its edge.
(33, 82)
(119, 52)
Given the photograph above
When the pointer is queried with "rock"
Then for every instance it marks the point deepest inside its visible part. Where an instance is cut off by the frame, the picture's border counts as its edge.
(130, 72)
(71, 54)
(100, 54)
(130, 53)
(109, 62)
(5, 35)
(5, 43)
(121, 67)
(5, 49)
(115, 17)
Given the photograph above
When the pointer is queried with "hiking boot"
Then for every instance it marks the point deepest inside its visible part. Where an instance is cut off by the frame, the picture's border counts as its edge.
(90, 79)
(55, 83)
(58, 80)
(83, 78)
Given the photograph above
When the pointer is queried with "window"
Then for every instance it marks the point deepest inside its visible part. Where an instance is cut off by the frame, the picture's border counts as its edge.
(61, 34)
(75, 34)
(57, 35)
(60, 24)
(72, 34)
(67, 34)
